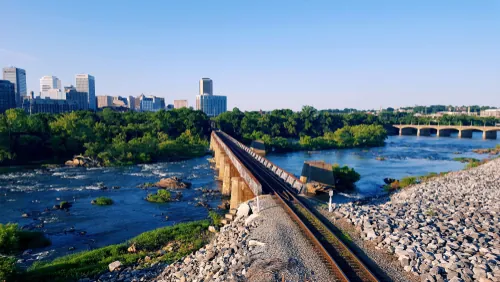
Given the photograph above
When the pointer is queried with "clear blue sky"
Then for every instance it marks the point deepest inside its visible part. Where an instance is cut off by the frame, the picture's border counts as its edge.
(264, 54)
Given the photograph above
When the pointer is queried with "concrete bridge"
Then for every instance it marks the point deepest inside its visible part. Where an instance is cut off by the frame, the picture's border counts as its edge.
(489, 132)
(239, 181)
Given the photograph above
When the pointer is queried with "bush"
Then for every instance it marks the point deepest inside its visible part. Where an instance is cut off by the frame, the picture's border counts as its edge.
(345, 177)
(465, 160)
(13, 240)
(186, 236)
(407, 181)
(8, 269)
(162, 196)
(103, 201)
(64, 205)
(215, 217)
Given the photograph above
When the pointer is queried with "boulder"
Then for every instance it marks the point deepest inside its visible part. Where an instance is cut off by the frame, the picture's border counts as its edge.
(243, 210)
(212, 229)
(172, 183)
(132, 249)
(114, 265)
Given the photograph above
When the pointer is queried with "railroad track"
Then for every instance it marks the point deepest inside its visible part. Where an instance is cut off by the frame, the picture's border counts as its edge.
(343, 263)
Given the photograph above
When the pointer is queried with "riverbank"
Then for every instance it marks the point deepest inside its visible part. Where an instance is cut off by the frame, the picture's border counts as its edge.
(437, 230)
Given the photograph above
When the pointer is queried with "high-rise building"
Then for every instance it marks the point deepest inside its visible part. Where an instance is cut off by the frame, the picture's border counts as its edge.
(49, 82)
(7, 96)
(80, 98)
(16, 76)
(149, 103)
(104, 101)
(131, 102)
(180, 104)
(86, 83)
(206, 86)
(212, 105)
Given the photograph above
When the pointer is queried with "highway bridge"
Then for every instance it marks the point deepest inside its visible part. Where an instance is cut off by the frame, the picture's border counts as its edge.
(245, 174)
(489, 132)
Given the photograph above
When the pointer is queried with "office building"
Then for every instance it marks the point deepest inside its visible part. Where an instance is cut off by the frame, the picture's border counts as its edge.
(491, 113)
(180, 104)
(7, 96)
(212, 105)
(149, 103)
(48, 83)
(131, 102)
(47, 105)
(80, 98)
(86, 83)
(17, 77)
(206, 86)
(104, 101)
(120, 102)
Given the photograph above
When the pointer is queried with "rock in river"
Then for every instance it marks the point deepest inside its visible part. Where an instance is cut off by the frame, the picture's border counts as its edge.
(172, 183)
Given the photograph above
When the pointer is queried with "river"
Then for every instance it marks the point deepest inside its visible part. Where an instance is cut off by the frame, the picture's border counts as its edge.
(34, 190)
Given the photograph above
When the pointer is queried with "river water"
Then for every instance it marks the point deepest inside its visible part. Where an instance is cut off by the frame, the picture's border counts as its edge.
(34, 190)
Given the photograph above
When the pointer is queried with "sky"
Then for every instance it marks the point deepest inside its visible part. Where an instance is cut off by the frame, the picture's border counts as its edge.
(264, 54)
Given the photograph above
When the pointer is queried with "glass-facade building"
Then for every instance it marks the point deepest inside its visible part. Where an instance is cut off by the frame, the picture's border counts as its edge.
(212, 105)
(80, 98)
(48, 83)
(206, 86)
(17, 77)
(7, 96)
(86, 83)
(150, 103)
(47, 105)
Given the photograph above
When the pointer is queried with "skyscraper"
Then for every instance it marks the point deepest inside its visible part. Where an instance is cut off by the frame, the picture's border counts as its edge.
(7, 96)
(50, 87)
(212, 105)
(86, 83)
(206, 86)
(80, 98)
(17, 77)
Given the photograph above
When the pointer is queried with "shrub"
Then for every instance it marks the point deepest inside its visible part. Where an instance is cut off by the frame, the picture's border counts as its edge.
(407, 181)
(465, 160)
(103, 201)
(161, 196)
(64, 205)
(13, 240)
(8, 269)
(345, 177)
(215, 217)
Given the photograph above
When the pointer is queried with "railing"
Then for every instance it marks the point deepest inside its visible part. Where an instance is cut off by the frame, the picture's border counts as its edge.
(283, 174)
(251, 181)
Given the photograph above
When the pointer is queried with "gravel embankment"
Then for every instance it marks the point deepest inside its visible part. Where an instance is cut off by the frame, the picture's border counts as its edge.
(446, 229)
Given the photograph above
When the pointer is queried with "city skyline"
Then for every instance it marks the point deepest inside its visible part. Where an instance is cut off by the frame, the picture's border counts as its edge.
(324, 54)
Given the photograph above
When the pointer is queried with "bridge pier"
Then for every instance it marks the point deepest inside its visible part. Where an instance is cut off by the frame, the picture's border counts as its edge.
(443, 133)
(229, 172)
(423, 132)
(221, 165)
(489, 135)
(465, 134)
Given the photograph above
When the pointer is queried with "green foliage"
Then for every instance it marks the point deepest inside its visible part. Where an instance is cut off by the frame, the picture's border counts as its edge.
(8, 268)
(13, 240)
(187, 236)
(465, 160)
(111, 137)
(215, 217)
(407, 181)
(103, 201)
(64, 205)
(345, 177)
(161, 196)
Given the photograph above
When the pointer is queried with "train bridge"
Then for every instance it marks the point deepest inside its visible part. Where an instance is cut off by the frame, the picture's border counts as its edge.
(246, 174)
(489, 132)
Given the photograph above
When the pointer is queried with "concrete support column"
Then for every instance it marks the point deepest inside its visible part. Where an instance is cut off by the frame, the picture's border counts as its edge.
(245, 192)
(444, 133)
(236, 192)
(465, 134)
(423, 132)
(400, 132)
(229, 171)
(222, 166)
(489, 134)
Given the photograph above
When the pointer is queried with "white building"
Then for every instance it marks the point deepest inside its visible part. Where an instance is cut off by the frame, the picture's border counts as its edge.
(491, 113)
(206, 86)
(85, 83)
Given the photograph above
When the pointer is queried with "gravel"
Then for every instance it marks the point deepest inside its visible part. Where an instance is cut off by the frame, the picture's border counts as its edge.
(445, 229)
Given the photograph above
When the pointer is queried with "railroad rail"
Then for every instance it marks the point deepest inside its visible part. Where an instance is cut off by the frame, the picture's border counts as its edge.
(343, 263)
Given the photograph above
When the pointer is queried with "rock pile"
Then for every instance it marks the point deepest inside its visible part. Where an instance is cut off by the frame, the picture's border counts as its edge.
(446, 229)
(172, 183)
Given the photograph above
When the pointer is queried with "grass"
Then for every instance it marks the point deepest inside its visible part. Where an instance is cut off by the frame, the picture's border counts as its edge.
(102, 201)
(161, 196)
(465, 160)
(13, 240)
(187, 237)
(407, 181)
